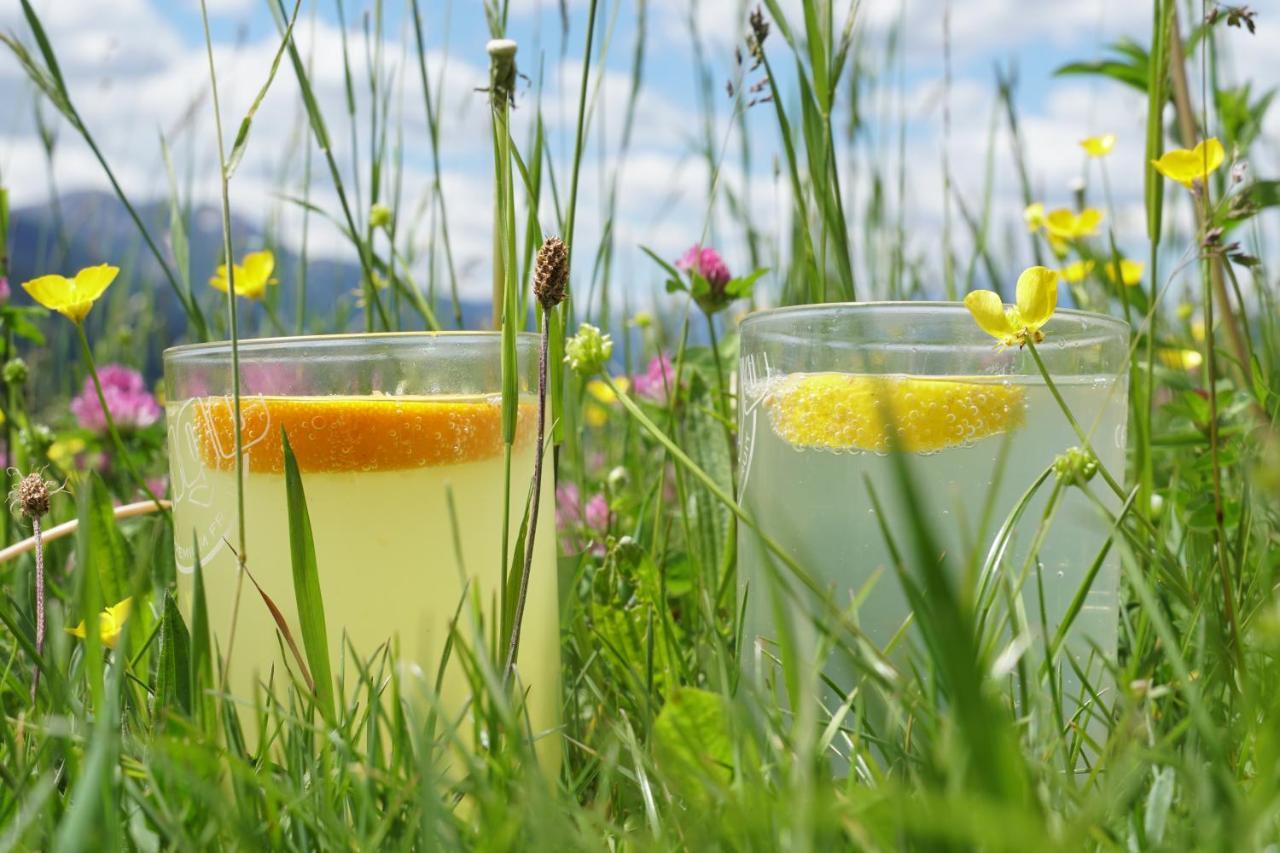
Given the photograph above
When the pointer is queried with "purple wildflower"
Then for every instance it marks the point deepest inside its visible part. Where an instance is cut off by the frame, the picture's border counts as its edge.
(708, 264)
(4, 290)
(128, 400)
(597, 514)
(573, 519)
(657, 380)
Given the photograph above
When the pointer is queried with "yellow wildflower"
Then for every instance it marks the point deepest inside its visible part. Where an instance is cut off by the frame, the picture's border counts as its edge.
(1130, 271)
(1180, 359)
(63, 452)
(1077, 271)
(1187, 167)
(1033, 215)
(72, 297)
(600, 389)
(1197, 329)
(642, 320)
(110, 623)
(252, 275)
(594, 415)
(1037, 295)
(1099, 146)
(1066, 224)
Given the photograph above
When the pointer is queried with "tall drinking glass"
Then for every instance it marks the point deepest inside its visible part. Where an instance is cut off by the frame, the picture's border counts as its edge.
(399, 442)
(829, 393)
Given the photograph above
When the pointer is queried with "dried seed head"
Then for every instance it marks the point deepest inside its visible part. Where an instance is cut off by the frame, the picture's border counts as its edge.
(31, 496)
(551, 273)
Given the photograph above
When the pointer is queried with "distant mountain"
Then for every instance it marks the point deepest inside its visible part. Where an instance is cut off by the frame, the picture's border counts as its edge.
(86, 228)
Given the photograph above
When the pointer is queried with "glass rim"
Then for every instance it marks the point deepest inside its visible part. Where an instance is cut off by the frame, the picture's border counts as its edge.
(944, 306)
(255, 345)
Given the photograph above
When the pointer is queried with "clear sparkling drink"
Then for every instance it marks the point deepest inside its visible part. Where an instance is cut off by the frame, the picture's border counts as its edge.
(816, 445)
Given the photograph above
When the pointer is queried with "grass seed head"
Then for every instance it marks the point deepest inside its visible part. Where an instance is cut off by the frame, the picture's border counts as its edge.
(31, 496)
(551, 273)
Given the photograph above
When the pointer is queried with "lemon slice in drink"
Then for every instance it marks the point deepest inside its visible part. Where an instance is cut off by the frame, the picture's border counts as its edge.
(339, 434)
(845, 411)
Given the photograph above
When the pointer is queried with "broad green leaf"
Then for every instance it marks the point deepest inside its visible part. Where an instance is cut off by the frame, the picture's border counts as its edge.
(306, 582)
(692, 742)
(173, 680)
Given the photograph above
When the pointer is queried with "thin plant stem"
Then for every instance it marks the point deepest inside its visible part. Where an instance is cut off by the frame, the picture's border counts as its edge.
(513, 647)
(234, 329)
(111, 423)
(1071, 419)
(35, 676)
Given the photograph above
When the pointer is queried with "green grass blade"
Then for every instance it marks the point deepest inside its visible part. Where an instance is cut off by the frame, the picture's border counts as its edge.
(306, 583)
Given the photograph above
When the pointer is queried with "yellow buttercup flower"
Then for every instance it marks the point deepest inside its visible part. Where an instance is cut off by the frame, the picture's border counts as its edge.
(1099, 146)
(1066, 224)
(1187, 167)
(1077, 271)
(252, 275)
(1037, 295)
(600, 389)
(63, 452)
(110, 623)
(1033, 215)
(72, 297)
(1130, 271)
(1180, 359)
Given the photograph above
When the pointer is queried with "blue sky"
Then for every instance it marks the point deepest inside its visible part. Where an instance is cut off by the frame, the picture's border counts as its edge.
(137, 69)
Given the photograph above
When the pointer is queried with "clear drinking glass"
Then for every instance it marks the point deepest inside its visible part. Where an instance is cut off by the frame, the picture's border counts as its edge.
(827, 390)
(398, 439)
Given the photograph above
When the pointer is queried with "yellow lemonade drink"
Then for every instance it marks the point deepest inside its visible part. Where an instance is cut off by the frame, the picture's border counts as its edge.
(405, 496)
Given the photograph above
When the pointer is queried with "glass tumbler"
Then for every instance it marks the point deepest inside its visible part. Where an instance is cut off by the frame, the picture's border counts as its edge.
(398, 439)
(830, 394)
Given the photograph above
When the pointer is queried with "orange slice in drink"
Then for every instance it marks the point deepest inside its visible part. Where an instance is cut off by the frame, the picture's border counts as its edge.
(344, 434)
(844, 411)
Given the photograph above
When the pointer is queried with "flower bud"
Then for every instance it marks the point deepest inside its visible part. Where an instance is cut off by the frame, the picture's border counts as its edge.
(1075, 466)
(587, 352)
(380, 216)
(15, 372)
(619, 478)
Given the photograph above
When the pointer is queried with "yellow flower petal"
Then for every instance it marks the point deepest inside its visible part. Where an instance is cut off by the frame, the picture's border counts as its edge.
(1077, 271)
(259, 265)
(1066, 224)
(1130, 271)
(1037, 293)
(110, 623)
(600, 389)
(1088, 221)
(1033, 215)
(1186, 167)
(989, 313)
(72, 297)
(1099, 146)
(252, 275)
